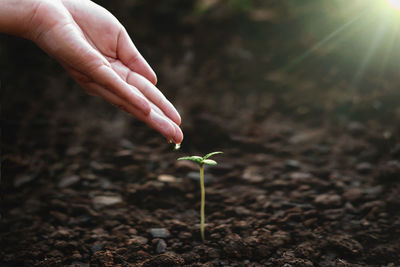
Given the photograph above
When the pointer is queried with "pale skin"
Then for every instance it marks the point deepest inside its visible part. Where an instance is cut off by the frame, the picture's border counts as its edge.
(96, 50)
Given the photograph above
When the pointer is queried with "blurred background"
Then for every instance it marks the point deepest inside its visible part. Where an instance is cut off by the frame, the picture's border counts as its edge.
(233, 68)
(302, 96)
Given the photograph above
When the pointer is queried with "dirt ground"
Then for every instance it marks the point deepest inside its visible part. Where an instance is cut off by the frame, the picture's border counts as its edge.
(310, 174)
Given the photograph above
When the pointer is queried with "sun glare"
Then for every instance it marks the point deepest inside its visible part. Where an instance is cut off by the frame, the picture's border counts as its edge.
(394, 3)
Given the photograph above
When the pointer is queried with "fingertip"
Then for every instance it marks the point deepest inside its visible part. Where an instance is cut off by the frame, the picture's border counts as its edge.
(178, 138)
(178, 119)
(172, 113)
(154, 78)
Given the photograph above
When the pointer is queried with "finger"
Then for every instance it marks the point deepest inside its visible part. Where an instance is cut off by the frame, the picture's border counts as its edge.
(178, 138)
(106, 76)
(80, 78)
(130, 56)
(153, 94)
(153, 118)
(92, 89)
(148, 90)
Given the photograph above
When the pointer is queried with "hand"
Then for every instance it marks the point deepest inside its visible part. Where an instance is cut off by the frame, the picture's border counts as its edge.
(96, 50)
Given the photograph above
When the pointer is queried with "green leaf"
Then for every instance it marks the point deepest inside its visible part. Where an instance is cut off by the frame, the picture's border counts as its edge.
(212, 154)
(209, 162)
(196, 159)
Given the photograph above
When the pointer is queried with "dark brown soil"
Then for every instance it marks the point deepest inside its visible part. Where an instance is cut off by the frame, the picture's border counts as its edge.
(310, 174)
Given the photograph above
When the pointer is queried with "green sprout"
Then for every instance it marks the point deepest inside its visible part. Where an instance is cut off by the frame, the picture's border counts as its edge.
(201, 161)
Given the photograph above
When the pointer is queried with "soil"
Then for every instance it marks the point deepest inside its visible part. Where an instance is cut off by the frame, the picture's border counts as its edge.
(310, 174)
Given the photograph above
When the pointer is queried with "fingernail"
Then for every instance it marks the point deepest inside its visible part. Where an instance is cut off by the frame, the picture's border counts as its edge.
(164, 126)
(178, 137)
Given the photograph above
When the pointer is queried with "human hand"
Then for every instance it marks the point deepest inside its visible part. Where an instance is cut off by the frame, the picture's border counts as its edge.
(96, 50)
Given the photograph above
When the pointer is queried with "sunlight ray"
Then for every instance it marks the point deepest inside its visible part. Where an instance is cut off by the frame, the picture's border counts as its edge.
(332, 35)
(394, 3)
(371, 49)
(391, 41)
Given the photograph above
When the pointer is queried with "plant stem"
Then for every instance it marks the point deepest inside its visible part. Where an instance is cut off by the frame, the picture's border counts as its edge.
(203, 200)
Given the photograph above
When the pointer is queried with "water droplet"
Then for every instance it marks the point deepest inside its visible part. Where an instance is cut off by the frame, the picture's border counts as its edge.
(177, 146)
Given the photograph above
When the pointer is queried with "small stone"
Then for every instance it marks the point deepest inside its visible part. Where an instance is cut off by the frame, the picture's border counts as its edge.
(300, 176)
(390, 171)
(140, 240)
(292, 164)
(159, 232)
(356, 128)
(373, 191)
(240, 210)
(166, 178)
(100, 201)
(251, 174)
(125, 143)
(395, 151)
(68, 181)
(97, 247)
(80, 264)
(76, 255)
(353, 194)
(364, 167)
(185, 235)
(161, 246)
(346, 244)
(124, 153)
(24, 179)
(328, 200)
(74, 150)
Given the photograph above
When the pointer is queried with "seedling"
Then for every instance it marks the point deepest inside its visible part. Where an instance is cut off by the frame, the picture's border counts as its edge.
(201, 161)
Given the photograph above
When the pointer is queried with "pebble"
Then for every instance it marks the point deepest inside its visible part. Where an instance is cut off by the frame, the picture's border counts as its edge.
(356, 128)
(328, 200)
(292, 164)
(81, 264)
(76, 255)
(100, 201)
(24, 179)
(364, 167)
(240, 210)
(185, 235)
(125, 143)
(353, 194)
(390, 171)
(159, 232)
(395, 151)
(346, 244)
(373, 191)
(97, 247)
(251, 174)
(166, 178)
(161, 246)
(68, 181)
(300, 176)
(140, 240)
